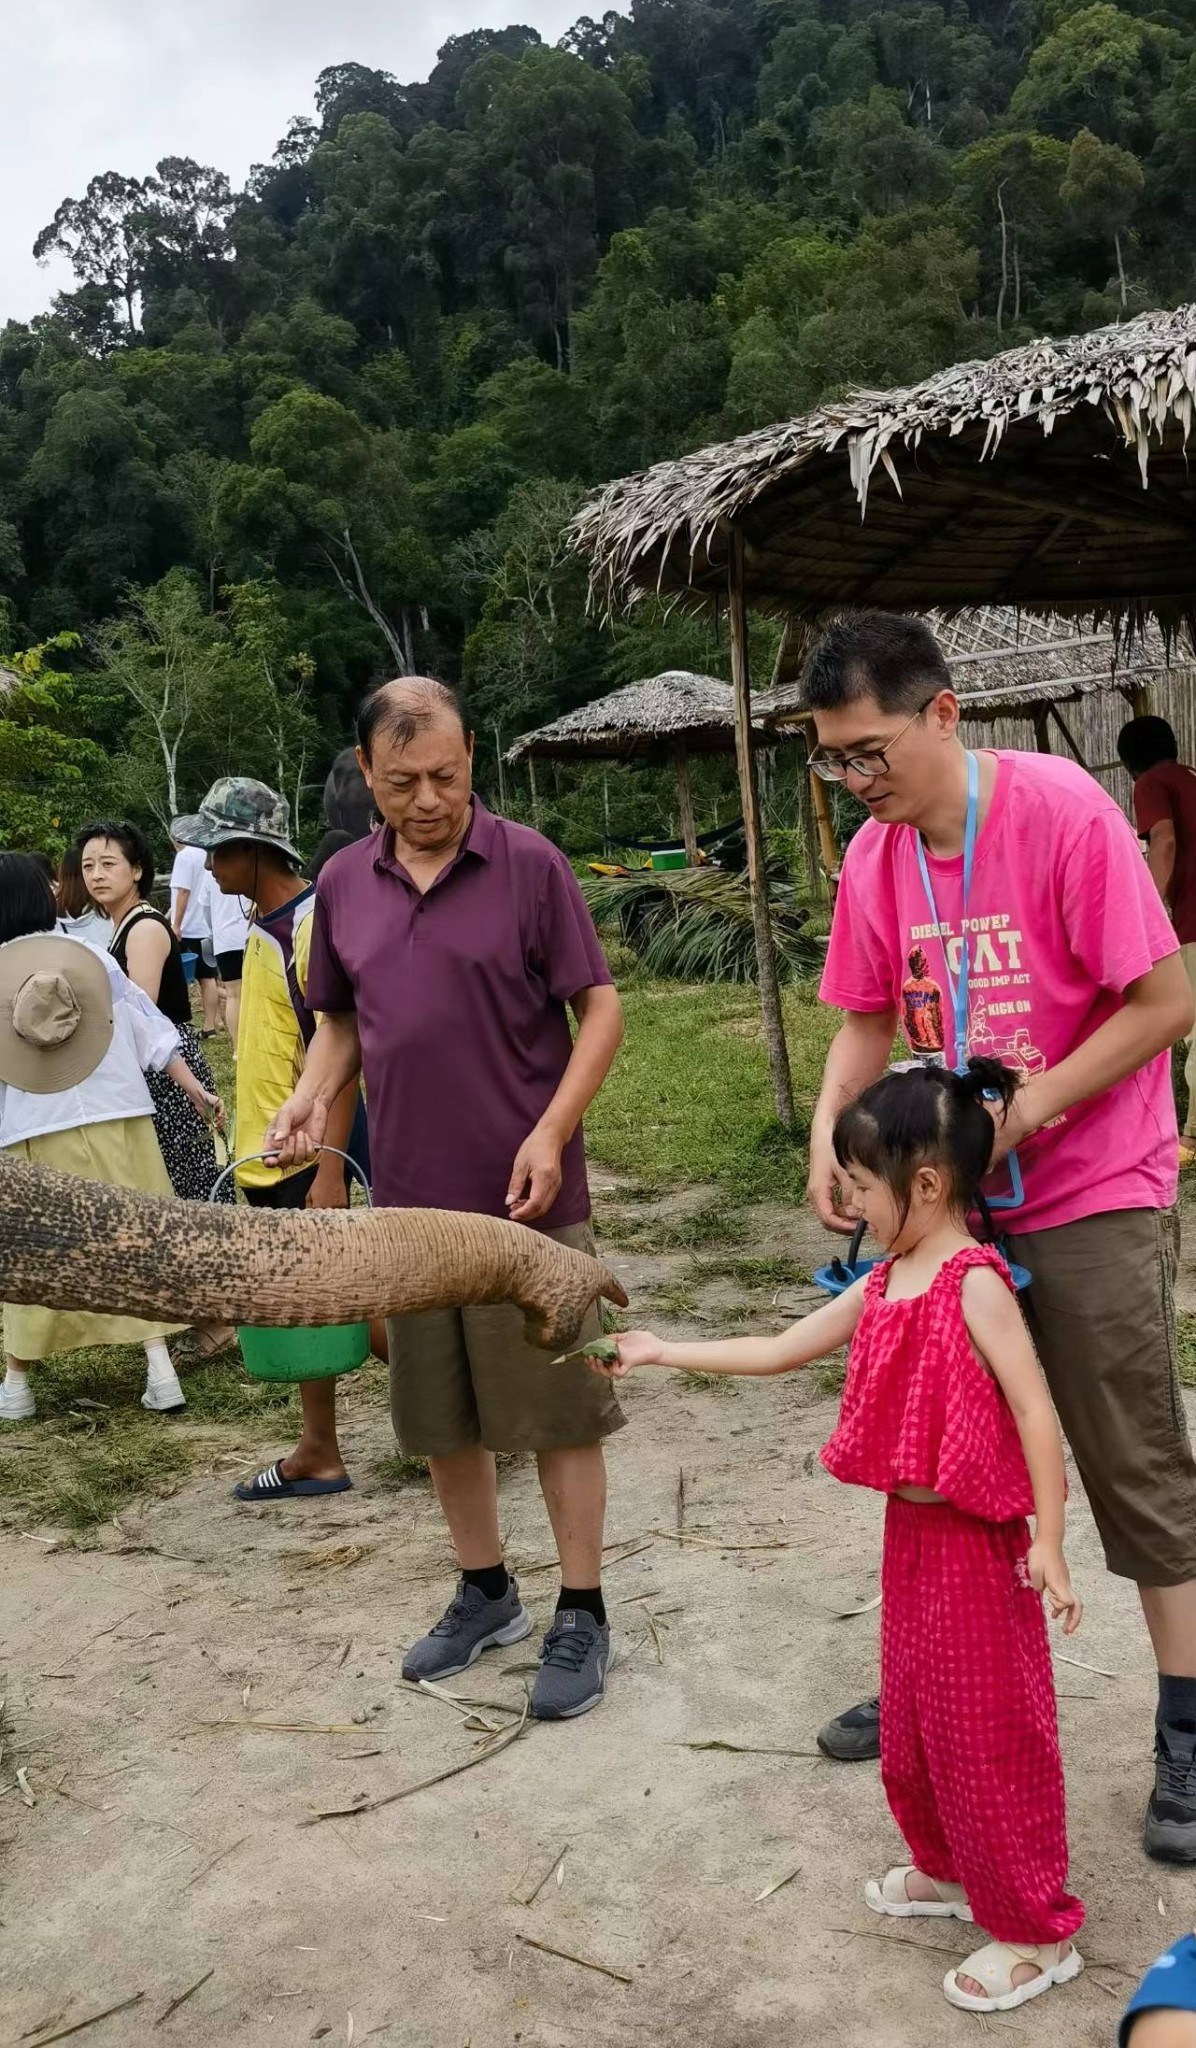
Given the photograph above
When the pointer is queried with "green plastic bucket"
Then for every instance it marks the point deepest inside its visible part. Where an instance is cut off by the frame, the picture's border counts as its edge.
(302, 1351)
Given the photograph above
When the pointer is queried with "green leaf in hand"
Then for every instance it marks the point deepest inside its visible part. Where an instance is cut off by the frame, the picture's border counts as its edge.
(604, 1349)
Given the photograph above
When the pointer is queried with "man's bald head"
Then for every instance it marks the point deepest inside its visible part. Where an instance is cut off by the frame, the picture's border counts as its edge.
(398, 710)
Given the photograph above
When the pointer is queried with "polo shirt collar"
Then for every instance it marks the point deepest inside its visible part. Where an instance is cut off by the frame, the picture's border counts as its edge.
(478, 841)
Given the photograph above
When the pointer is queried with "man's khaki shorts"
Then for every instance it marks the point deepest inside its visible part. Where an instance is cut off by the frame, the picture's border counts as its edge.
(1101, 1313)
(465, 1376)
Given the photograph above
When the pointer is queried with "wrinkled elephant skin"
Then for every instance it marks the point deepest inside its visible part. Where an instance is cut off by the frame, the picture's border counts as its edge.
(75, 1244)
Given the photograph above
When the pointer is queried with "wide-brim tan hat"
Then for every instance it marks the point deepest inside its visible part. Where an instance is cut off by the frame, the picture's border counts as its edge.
(55, 1013)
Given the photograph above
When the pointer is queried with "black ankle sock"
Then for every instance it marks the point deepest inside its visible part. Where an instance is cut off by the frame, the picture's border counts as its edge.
(492, 1580)
(589, 1598)
(1175, 1717)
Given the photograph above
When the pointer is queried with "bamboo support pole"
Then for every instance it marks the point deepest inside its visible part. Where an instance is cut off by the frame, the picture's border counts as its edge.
(832, 858)
(809, 824)
(766, 959)
(685, 805)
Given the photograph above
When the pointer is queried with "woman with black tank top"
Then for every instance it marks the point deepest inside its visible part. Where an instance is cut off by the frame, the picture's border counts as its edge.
(118, 868)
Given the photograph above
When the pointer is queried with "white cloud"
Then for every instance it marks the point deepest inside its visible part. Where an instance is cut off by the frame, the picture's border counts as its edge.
(99, 85)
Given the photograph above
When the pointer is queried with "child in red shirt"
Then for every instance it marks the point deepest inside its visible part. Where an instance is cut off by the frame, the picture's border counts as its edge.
(945, 1411)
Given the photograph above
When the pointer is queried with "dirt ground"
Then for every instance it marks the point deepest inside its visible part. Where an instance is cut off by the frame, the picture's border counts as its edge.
(172, 1843)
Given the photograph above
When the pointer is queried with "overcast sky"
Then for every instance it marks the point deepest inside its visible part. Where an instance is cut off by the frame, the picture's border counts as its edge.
(112, 85)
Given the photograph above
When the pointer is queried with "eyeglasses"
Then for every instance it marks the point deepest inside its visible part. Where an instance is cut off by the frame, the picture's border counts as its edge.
(869, 766)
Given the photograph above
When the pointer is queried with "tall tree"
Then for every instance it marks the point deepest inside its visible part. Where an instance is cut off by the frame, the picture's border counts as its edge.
(1103, 187)
(46, 766)
(100, 235)
(165, 655)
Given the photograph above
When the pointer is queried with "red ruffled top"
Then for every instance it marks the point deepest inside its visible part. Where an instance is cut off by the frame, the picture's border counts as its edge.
(919, 1408)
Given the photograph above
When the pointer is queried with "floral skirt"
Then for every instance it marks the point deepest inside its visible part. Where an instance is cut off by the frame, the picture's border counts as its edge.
(185, 1139)
(124, 1154)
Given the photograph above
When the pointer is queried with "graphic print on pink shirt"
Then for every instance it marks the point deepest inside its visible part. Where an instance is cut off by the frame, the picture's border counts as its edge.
(1063, 916)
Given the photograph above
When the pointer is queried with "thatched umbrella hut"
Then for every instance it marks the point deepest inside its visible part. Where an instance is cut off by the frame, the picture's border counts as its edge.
(1012, 671)
(1053, 477)
(666, 717)
(1020, 480)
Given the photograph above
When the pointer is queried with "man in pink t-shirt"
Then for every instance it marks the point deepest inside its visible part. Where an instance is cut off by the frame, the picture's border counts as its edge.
(1074, 976)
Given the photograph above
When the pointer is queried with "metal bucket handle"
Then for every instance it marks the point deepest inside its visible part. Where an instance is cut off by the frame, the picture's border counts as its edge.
(250, 1156)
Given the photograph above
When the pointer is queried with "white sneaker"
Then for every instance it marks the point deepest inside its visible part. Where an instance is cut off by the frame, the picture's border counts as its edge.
(164, 1397)
(17, 1407)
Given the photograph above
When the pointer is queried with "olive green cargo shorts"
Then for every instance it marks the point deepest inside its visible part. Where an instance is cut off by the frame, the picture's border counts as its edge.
(465, 1376)
(1101, 1313)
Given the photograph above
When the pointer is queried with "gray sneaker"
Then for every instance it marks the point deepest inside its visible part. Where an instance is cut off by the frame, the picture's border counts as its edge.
(574, 1659)
(470, 1624)
(853, 1737)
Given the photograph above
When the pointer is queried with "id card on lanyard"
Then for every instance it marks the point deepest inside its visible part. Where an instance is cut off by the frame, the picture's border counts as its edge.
(957, 984)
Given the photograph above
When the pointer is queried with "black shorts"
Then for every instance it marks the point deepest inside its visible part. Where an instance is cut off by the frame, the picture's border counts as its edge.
(205, 970)
(229, 965)
(291, 1193)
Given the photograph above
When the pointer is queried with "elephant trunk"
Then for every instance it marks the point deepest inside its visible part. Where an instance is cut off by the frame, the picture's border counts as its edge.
(79, 1244)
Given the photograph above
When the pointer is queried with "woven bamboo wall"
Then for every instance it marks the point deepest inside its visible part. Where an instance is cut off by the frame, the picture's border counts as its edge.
(1095, 723)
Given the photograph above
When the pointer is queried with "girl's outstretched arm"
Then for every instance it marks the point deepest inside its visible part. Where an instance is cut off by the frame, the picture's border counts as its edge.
(815, 1336)
(1000, 1336)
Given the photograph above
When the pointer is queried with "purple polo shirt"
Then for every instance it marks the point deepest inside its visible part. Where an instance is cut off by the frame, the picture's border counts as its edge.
(460, 997)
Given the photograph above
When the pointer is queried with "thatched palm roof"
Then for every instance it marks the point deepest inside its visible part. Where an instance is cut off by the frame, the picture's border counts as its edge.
(664, 714)
(1019, 480)
(1006, 666)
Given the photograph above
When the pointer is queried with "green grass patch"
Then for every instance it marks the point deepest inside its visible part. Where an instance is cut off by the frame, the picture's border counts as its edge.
(689, 1098)
(828, 1377)
(92, 1447)
(709, 1382)
(398, 1471)
(711, 1225)
(773, 1271)
(675, 1298)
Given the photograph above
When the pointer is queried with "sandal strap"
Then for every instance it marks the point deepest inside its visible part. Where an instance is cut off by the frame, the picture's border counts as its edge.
(994, 1965)
(894, 1888)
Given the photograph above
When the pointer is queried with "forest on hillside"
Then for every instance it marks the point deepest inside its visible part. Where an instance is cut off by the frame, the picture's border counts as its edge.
(278, 443)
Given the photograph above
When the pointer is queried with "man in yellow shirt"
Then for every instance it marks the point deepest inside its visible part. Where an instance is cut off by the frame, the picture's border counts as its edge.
(244, 828)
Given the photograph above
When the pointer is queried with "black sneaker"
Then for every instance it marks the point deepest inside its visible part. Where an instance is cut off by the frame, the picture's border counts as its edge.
(1170, 1831)
(853, 1738)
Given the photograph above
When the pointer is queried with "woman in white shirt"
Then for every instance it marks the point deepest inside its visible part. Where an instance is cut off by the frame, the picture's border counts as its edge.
(230, 929)
(192, 925)
(75, 1035)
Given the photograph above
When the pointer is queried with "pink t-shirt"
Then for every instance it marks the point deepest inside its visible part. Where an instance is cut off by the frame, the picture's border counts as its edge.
(1063, 917)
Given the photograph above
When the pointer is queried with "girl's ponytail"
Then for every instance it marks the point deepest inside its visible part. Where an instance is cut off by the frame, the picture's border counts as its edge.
(988, 1078)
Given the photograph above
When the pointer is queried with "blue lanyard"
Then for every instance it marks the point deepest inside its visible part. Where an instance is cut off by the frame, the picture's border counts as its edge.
(958, 985)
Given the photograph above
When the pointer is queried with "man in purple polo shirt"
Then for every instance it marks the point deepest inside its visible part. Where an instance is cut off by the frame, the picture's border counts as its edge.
(445, 949)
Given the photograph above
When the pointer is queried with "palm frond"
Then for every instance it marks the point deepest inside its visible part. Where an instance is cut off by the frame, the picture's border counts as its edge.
(695, 924)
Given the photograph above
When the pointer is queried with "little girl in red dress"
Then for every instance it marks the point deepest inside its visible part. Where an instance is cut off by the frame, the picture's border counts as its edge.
(946, 1412)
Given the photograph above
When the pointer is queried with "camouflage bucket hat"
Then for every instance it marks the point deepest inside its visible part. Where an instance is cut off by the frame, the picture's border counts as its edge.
(238, 808)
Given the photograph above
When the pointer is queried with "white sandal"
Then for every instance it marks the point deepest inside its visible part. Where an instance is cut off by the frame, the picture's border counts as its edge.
(892, 1898)
(994, 1965)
